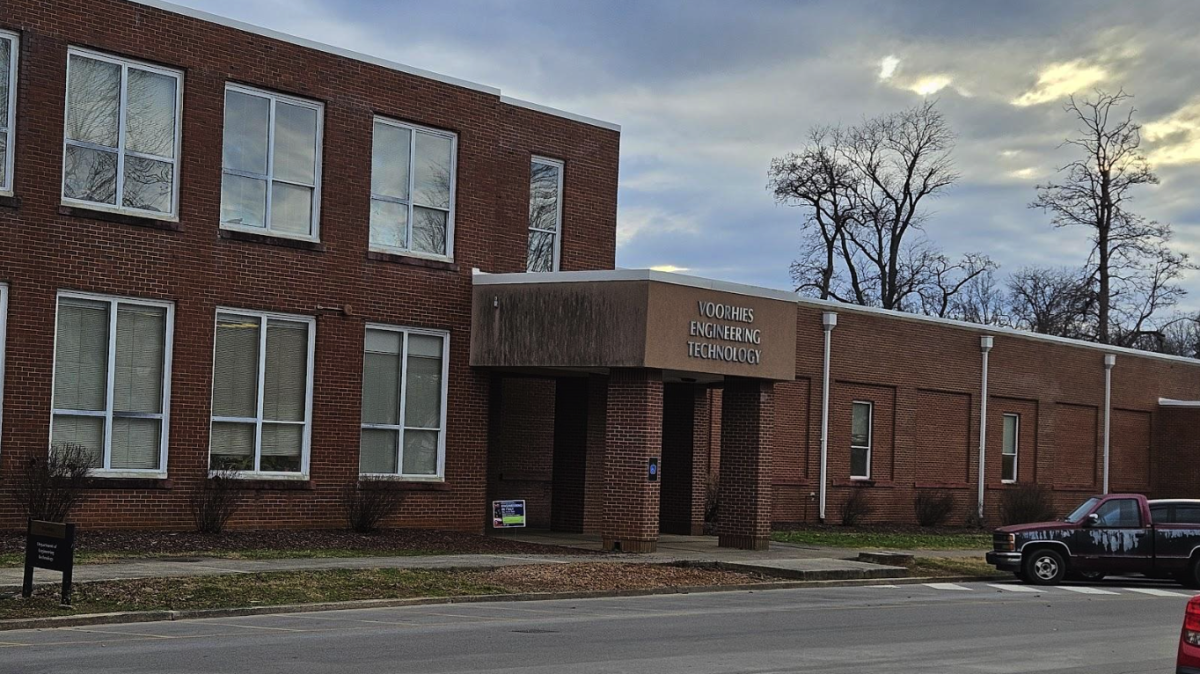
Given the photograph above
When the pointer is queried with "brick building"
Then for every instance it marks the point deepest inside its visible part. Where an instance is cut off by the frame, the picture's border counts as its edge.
(225, 248)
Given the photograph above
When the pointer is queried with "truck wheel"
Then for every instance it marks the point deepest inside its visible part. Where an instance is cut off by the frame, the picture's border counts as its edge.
(1045, 567)
(1191, 577)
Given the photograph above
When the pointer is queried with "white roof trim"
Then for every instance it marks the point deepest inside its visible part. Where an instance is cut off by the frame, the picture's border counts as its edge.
(837, 307)
(483, 279)
(1168, 402)
(365, 58)
(559, 113)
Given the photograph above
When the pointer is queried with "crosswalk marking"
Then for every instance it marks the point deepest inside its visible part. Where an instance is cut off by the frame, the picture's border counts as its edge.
(947, 586)
(1156, 593)
(1088, 590)
(1016, 588)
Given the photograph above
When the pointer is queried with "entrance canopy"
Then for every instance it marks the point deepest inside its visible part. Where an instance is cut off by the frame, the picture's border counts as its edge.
(594, 320)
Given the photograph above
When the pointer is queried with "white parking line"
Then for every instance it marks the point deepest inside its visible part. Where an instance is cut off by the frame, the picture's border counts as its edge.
(1156, 593)
(1088, 590)
(947, 586)
(1016, 588)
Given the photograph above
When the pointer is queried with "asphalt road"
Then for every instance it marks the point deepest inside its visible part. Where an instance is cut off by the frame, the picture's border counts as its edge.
(910, 628)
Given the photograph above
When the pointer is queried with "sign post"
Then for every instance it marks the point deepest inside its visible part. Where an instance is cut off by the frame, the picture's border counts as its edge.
(49, 545)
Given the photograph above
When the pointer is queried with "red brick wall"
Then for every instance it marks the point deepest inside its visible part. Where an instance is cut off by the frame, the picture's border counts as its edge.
(748, 419)
(1129, 451)
(43, 250)
(1175, 466)
(943, 442)
(789, 455)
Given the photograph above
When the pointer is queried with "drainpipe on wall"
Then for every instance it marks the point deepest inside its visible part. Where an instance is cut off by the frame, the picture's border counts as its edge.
(828, 322)
(985, 345)
(1110, 360)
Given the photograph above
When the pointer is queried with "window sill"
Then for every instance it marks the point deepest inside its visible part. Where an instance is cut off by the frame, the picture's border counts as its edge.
(271, 484)
(865, 482)
(270, 240)
(400, 484)
(412, 261)
(120, 218)
(99, 481)
(9, 201)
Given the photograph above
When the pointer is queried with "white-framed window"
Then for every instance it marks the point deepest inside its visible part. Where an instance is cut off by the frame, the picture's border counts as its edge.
(112, 381)
(271, 163)
(861, 426)
(121, 137)
(545, 214)
(413, 176)
(404, 402)
(10, 48)
(262, 393)
(1008, 448)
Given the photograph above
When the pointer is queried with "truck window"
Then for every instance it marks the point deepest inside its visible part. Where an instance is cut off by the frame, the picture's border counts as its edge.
(1187, 514)
(1077, 516)
(1160, 514)
(1121, 512)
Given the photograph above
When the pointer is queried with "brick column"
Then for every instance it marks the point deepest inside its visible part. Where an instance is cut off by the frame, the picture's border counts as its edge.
(747, 422)
(633, 434)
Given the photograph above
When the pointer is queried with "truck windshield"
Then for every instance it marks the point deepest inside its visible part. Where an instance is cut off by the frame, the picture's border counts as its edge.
(1077, 516)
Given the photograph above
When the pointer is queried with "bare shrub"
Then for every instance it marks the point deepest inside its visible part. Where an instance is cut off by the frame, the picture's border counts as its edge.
(215, 502)
(933, 508)
(368, 502)
(1027, 502)
(856, 508)
(49, 486)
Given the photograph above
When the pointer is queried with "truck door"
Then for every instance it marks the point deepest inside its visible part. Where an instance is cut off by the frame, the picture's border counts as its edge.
(1118, 541)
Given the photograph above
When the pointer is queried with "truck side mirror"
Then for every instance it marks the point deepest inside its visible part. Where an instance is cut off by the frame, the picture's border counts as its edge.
(1092, 520)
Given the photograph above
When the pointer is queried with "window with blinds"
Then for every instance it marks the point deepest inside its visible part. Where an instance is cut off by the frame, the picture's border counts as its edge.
(403, 403)
(9, 49)
(262, 379)
(111, 357)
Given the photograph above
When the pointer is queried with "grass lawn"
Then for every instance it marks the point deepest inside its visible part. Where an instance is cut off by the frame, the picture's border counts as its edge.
(886, 540)
(935, 567)
(85, 557)
(303, 587)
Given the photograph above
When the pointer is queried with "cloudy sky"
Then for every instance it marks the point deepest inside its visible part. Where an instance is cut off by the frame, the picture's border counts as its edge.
(708, 92)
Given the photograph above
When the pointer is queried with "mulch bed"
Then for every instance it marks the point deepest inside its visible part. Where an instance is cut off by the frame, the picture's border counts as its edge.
(143, 543)
(582, 577)
(902, 529)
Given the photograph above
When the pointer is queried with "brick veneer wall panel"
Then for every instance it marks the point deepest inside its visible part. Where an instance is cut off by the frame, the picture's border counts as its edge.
(1027, 446)
(43, 251)
(943, 437)
(1129, 450)
(789, 455)
(1075, 446)
(1174, 466)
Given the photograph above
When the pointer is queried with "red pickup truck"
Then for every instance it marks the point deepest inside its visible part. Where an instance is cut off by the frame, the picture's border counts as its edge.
(1116, 534)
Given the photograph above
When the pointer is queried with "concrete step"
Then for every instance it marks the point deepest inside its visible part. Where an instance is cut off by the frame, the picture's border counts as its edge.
(816, 569)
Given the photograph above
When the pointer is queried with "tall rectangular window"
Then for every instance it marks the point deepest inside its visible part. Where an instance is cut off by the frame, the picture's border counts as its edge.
(111, 381)
(1012, 427)
(545, 214)
(9, 47)
(412, 189)
(271, 163)
(860, 440)
(404, 402)
(121, 144)
(3, 346)
(262, 393)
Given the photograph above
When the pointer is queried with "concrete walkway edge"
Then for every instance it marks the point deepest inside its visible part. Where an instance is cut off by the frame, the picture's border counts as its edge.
(197, 614)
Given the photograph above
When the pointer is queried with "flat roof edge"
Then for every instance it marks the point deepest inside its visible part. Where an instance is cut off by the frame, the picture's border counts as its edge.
(367, 58)
(1169, 402)
(482, 279)
(836, 307)
(538, 107)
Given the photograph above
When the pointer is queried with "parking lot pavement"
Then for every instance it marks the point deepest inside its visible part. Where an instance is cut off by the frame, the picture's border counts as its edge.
(935, 627)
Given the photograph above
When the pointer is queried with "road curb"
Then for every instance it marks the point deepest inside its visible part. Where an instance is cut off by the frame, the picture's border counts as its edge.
(196, 614)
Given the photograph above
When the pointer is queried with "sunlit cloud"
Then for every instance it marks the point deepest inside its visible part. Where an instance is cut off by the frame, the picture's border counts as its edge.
(1060, 80)
(634, 221)
(930, 84)
(669, 268)
(887, 67)
(1175, 139)
(1027, 173)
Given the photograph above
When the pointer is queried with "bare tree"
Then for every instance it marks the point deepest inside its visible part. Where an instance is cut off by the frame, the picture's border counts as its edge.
(942, 292)
(1134, 272)
(863, 190)
(1181, 337)
(1051, 301)
(982, 300)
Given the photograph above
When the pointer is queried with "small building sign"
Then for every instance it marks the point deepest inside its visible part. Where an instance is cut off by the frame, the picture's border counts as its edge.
(49, 545)
(652, 470)
(508, 514)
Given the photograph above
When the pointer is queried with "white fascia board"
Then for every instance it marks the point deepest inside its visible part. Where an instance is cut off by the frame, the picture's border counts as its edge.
(482, 279)
(365, 58)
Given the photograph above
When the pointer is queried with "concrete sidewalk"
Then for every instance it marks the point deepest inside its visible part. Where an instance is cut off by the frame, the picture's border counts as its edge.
(781, 561)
